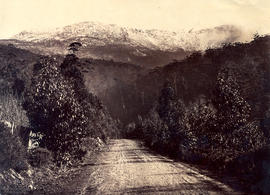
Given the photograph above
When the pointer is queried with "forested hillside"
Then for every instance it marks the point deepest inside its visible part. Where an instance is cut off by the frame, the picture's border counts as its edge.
(137, 88)
(193, 79)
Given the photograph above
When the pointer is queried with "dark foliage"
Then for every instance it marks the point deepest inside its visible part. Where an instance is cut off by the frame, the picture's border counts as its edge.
(12, 152)
(215, 131)
(196, 76)
(24, 134)
(39, 157)
(166, 127)
(19, 86)
(62, 111)
(232, 110)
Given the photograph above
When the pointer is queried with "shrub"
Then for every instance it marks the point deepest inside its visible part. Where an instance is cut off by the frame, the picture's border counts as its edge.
(131, 130)
(11, 109)
(12, 152)
(155, 131)
(166, 127)
(14, 116)
(39, 157)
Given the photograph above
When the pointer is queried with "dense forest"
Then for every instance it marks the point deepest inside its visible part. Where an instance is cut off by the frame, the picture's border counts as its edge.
(211, 108)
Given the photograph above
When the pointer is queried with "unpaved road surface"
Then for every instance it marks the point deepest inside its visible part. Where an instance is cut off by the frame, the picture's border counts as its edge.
(126, 167)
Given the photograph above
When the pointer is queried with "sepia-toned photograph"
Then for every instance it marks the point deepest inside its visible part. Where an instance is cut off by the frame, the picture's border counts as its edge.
(134, 97)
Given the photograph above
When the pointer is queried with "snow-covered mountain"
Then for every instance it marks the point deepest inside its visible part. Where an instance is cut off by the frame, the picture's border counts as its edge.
(111, 42)
(101, 34)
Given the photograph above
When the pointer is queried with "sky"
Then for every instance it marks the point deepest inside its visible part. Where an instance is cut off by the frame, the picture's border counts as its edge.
(172, 15)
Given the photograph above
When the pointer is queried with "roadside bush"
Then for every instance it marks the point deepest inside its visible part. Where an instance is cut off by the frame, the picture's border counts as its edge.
(12, 120)
(11, 109)
(39, 157)
(166, 126)
(155, 131)
(131, 129)
(12, 152)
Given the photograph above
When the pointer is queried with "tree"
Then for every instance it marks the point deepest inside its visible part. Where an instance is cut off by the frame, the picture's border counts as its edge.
(62, 110)
(166, 126)
(155, 131)
(54, 111)
(166, 102)
(100, 123)
(172, 111)
(232, 110)
(74, 46)
(222, 125)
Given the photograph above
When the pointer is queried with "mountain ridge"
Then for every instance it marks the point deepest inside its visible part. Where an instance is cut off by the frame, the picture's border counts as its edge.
(155, 39)
(147, 48)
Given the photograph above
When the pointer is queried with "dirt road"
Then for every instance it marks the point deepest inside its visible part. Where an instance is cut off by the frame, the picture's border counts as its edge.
(128, 168)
